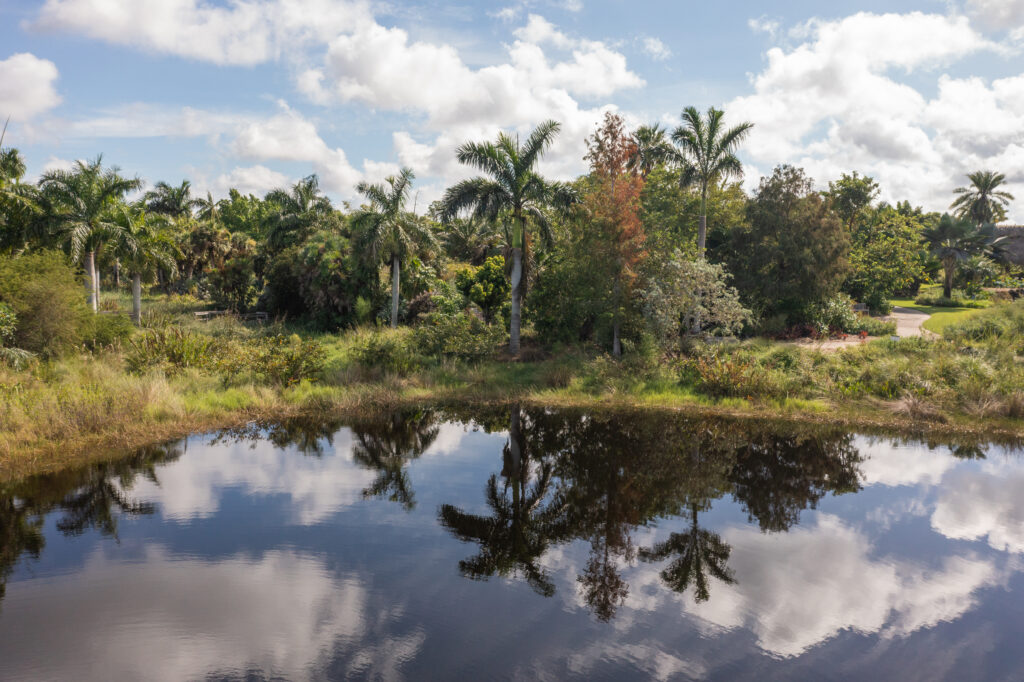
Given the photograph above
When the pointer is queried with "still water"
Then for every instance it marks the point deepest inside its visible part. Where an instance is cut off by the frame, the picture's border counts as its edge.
(521, 544)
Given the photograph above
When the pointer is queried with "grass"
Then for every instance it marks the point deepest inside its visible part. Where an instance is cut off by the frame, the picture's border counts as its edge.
(969, 380)
(941, 317)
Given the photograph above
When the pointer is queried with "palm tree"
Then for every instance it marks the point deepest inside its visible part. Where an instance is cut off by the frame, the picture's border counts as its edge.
(388, 230)
(698, 553)
(952, 240)
(708, 155)
(81, 204)
(208, 210)
(299, 210)
(18, 204)
(513, 194)
(168, 200)
(651, 148)
(146, 247)
(982, 202)
(471, 239)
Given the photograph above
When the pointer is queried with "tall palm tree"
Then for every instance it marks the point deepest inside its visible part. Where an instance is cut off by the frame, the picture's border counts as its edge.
(208, 210)
(388, 230)
(18, 201)
(81, 205)
(146, 247)
(299, 210)
(698, 553)
(513, 194)
(952, 240)
(982, 202)
(169, 200)
(651, 148)
(708, 154)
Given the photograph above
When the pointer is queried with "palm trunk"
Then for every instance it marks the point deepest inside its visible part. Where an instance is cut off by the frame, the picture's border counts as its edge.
(394, 292)
(616, 342)
(117, 275)
(90, 271)
(137, 299)
(517, 300)
(702, 230)
(947, 285)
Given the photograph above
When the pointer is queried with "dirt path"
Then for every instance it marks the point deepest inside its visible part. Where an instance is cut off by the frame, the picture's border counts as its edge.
(908, 323)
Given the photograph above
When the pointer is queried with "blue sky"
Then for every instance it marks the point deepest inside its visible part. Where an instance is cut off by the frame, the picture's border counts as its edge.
(258, 93)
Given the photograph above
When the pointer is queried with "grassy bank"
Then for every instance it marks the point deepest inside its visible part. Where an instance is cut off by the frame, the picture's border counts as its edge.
(91, 403)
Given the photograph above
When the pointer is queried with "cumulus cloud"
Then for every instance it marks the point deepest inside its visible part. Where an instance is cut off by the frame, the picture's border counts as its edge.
(242, 33)
(983, 504)
(283, 612)
(997, 14)
(256, 180)
(27, 86)
(839, 100)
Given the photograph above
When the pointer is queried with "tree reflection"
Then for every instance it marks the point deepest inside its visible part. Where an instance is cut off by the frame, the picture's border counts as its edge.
(387, 445)
(699, 553)
(524, 521)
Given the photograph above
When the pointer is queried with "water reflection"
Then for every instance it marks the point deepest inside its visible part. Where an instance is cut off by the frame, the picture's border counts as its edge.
(340, 548)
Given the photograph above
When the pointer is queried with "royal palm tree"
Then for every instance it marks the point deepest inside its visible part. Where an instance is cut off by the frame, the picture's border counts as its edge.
(651, 148)
(169, 200)
(146, 247)
(982, 203)
(82, 208)
(388, 230)
(208, 210)
(18, 201)
(513, 194)
(698, 553)
(952, 240)
(707, 151)
(299, 211)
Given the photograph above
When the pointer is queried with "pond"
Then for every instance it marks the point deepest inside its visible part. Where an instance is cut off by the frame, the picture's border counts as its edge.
(519, 544)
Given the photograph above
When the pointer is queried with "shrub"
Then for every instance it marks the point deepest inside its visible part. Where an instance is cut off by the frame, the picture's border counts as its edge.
(48, 301)
(833, 314)
(485, 286)
(109, 330)
(872, 326)
(386, 351)
(957, 300)
(726, 377)
(8, 323)
(460, 336)
(280, 359)
(234, 286)
(171, 349)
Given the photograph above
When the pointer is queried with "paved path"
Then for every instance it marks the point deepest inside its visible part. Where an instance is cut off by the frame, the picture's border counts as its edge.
(908, 323)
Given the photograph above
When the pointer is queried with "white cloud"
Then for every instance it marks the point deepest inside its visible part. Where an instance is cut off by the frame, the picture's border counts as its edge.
(840, 101)
(997, 14)
(256, 180)
(176, 618)
(242, 32)
(764, 25)
(986, 503)
(902, 465)
(27, 86)
(655, 49)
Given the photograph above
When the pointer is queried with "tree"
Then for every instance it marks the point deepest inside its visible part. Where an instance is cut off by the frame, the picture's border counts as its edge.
(471, 239)
(175, 202)
(485, 286)
(613, 205)
(793, 254)
(387, 445)
(886, 256)
(851, 195)
(952, 240)
(18, 202)
(514, 195)
(388, 230)
(708, 155)
(145, 247)
(651, 149)
(983, 202)
(300, 210)
(81, 206)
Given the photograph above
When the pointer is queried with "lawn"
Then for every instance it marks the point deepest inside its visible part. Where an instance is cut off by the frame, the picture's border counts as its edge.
(941, 317)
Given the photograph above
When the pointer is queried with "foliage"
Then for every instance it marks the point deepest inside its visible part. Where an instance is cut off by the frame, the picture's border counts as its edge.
(282, 360)
(952, 240)
(982, 202)
(8, 323)
(886, 257)
(681, 291)
(234, 286)
(957, 299)
(794, 252)
(720, 377)
(671, 214)
(109, 330)
(833, 314)
(851, 196)
(462, 336)
(486, 286)
(47, 299)
(171, 349)
(387, 351)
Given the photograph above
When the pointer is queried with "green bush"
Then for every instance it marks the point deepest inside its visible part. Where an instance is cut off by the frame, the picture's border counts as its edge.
(873, 326)
(485, 286)
(834, 314)
(721, 377)
(280, 359)
(234, 286)
(957, 300)
(462, 336)
(109, 330)
(8, 323)
(171, 349)
(386, 351)
(47, 299)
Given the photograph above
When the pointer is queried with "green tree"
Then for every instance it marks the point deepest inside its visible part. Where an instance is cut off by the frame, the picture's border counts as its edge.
(794, 251)
(952, 240)
(982, 202)
(168, 200)
(485, 286)
(514, 195)
(298, 212)
(18, 203)
(650, 149)
(146, 246)
(851, 196)
(708, 156)
(886, 256)
(81, 206)
(388, 230)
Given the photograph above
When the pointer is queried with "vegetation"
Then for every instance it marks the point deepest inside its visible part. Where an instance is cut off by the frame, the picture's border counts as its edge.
(653, 279)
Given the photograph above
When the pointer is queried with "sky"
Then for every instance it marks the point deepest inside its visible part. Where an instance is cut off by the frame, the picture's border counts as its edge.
(255, 94)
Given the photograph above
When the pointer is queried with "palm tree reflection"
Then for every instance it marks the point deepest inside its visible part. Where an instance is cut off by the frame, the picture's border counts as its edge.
(387, 445)
(698, 553)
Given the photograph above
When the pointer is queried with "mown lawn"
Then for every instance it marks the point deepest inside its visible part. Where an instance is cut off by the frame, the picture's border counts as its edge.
(941, 317)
